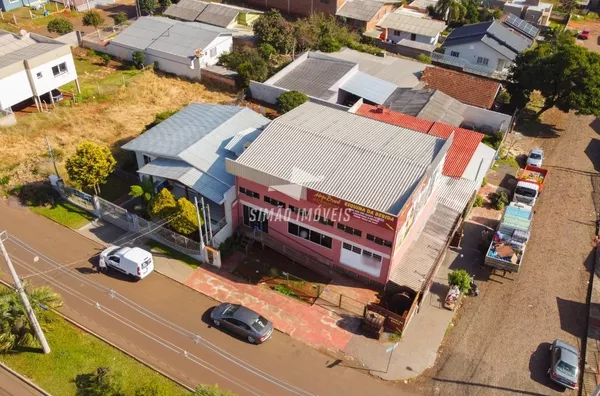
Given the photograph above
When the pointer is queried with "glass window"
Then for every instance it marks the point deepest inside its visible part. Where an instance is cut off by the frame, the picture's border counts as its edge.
(213, 52)
(324, 221)
(260, 323)
(349, 230)
(326, 241)
(274, 202)
(482, 61)
(59, 69)
(39, 75)
(293, 229)
(249, 193)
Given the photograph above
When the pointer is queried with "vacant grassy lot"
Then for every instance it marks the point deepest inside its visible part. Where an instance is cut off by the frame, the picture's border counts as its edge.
(111, 118)
(77, 353)
(66, 214)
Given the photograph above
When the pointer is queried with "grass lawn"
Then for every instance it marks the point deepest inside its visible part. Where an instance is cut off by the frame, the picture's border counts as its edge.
(75, 352)
(157, 247)
(66, 214)
(510, 161)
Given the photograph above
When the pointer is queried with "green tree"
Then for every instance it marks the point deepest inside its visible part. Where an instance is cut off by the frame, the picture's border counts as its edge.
(145, 189)
(151, 389)
(305, 35)
(138, 58)
(186, 220)
(90, 166)
(273, 29)
(100, 383)
(15, 329)
(290, 100)
(120, 18)
(452, 10)
(162, 205)
(460, 278)
(92, 18)
(566, 74)
(568, 5)
(214, 390)
(148, 5)
(60, 25)
(471, 11)
(329, 44)
(266, 51)
(257, 71)
(232, 60)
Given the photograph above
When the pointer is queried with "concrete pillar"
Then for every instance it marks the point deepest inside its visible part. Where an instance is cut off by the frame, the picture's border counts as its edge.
(37, 103)
(51, 99)
(77, 85)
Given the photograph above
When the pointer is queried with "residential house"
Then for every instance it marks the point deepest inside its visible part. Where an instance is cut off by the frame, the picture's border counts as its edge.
(300, 7)
(294, 186)
(484, 48)
(181, 48)
(31, 66)
(405, 29)
(365, 14)
(84, 5)
(186, 153)
(469, 89)
(217, 14)
(8, 5)
(532, 11)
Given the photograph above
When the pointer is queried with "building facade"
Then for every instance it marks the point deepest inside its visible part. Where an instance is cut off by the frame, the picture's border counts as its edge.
(299, 7)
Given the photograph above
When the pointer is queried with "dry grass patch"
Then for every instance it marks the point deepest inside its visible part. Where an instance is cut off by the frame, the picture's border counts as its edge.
(110, 121)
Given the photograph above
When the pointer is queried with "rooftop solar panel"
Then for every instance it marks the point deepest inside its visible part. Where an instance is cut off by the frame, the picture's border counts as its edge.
(522, 26)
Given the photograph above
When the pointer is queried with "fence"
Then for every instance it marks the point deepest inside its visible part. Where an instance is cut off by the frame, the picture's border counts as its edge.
(330, 298)
(7, 118)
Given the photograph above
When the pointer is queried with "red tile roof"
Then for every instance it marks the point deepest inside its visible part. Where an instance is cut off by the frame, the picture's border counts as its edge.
(463, 146)
(475, 91)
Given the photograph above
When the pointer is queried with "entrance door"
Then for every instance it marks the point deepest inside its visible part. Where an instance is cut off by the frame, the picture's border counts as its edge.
(256, 219)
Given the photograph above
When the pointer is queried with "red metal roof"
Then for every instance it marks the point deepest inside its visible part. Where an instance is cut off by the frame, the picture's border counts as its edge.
(463, 146)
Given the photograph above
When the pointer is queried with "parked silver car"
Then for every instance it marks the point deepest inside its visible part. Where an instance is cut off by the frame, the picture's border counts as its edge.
(243, 322)
(535, 157)
(564, 364)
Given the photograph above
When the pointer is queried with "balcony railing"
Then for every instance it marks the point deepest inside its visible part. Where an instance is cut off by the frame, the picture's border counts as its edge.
(468, 67)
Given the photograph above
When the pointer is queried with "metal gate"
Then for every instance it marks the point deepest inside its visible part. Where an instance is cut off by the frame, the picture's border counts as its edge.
(115, 214)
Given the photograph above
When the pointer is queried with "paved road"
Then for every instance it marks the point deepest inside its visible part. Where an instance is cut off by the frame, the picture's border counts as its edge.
(11, 385)
(499, 345)
(156, 319)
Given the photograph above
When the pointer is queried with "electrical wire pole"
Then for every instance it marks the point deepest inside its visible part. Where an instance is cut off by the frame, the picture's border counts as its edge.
(30, 314)
(52, 155)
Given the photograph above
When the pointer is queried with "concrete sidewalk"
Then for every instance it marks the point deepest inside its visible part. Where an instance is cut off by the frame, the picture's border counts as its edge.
(316, 325)
(591, 374)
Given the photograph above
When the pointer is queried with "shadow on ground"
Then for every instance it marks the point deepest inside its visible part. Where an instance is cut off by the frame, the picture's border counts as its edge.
(539, 364)
(529, 125)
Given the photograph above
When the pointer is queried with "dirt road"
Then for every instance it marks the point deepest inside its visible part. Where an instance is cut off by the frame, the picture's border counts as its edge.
(499, 345)
(165, 323)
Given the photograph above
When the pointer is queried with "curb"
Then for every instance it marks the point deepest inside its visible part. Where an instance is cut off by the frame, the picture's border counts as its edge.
(141, 361)
(25, 380)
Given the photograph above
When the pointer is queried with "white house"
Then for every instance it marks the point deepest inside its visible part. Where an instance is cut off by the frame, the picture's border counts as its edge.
(31, 66)
(414, 26)
(488, 45)
(181, 48)
(186, 153)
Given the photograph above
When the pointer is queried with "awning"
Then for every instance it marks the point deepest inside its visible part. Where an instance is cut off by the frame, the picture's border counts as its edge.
(455, 193)
(369, 88)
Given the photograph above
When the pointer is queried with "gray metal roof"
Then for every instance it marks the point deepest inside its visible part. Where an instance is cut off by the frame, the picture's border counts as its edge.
(197, 136)
(428, 104)
(315, 76)
(417, 45)
(401, 72)
(369, 87)
(416, 264)
(355, 158)
(412, 24)
(423, 4)
(362, 10)
(187, 10)
(218, 15)
(15, 49)
(168, 36)
(455, 193)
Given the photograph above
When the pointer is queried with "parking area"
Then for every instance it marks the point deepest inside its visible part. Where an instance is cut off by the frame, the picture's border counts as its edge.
(499, 344)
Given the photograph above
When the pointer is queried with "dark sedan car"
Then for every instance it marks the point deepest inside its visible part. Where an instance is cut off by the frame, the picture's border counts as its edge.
(242, 321)
(564, 364)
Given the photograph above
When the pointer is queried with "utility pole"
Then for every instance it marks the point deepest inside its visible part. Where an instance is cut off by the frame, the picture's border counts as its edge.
(52, 155)
(30, 314)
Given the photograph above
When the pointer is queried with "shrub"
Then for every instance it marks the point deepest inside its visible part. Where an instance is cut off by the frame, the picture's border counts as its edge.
(478, 202)
(493, 140)
(120, 18)
(499, 200)
(484, 182)
(227, 247)
(100, 383)
(186, 219)
(257, 71)
(60, 25)
(460, 278)
(162, 205)
(395, 336)
(105, 58)
(503, 97)
(290, 100)
(369, 49)
(138, 58)
(91, 53)
(92, 18)
(214, 390)
(4, 180)
(424, 59)
(266, 50)
(160, 117)
(329, 44)
(37, 194)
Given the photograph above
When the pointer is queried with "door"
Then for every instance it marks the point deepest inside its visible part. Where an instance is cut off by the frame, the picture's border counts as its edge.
(238, 327)
(256, 219)
(115, 262)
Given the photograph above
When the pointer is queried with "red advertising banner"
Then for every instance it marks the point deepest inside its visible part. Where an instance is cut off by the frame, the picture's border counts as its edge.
(357, 211)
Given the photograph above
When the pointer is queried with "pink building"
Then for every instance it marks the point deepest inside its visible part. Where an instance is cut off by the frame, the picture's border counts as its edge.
(348, 191)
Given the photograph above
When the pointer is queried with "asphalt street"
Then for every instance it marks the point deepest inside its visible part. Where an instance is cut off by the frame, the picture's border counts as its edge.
(11, 385)
(164, 323)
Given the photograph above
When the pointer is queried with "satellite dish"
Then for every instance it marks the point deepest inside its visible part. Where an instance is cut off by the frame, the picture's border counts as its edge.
(23, 32)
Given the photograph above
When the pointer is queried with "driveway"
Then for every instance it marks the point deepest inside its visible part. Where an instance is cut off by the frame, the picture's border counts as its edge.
(499, 345)
(164, 323)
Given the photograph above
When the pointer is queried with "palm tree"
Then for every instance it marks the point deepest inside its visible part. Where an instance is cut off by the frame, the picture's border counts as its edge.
(450, 10)
(15, 329)
(145, 190)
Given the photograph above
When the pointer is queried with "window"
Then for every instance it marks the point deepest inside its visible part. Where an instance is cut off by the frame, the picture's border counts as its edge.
(413, 37)
(397, 33)
(147, 159)
(454, 53)
(116, 259)
(324, 221)
(274, 202)
(379, 241)
(249, 193)
(482, 61)
(309, 235)
(59, 69)
(298, 211)
(39, 75)
(213, 52)
(349, 230)
(358, 250)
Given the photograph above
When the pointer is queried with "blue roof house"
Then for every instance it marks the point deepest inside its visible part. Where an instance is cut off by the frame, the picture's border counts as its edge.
(186, 153)
(8, 5)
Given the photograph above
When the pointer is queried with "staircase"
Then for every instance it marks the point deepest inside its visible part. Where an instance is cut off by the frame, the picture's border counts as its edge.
(245, 243)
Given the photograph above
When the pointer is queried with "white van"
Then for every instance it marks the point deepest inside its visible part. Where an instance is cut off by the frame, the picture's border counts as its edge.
(134, 262)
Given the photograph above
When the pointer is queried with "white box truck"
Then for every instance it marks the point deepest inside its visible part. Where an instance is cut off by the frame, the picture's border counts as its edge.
(134, 262)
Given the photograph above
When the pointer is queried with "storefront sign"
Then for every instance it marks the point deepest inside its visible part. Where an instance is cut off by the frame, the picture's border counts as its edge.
(357, 211)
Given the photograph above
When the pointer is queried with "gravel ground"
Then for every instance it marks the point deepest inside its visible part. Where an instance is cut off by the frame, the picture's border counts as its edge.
(499, 344)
